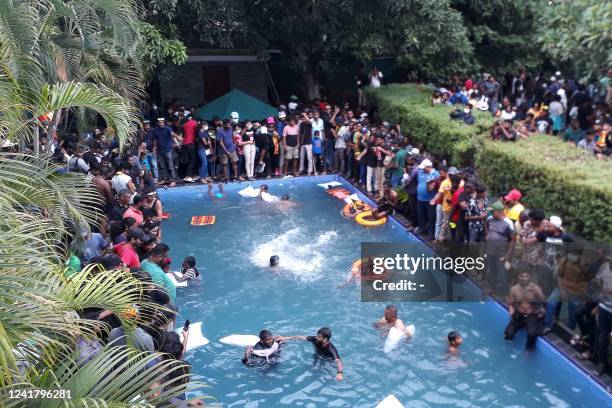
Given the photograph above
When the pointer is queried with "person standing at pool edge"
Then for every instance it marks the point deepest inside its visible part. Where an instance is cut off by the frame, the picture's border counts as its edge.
(324, 348)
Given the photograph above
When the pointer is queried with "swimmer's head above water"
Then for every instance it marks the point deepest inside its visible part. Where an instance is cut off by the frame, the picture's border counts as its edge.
(274, 260)
(454, 339)
(266, 338)
(285, 197)
(263, 188)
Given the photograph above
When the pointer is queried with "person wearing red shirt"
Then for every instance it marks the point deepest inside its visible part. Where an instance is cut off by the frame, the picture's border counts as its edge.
(127, 250)
(188, 149)
(135, 209)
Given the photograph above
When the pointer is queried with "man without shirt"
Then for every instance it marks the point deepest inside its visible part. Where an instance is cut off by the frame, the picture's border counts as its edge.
(525, 306)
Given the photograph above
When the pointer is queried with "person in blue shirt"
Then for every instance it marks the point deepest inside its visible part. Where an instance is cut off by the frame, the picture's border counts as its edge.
(163, 144)
(227, 150)
(426, 213)
(317, 150)
(458, 97)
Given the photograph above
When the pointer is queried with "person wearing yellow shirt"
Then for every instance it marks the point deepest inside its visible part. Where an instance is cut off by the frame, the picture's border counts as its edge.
(513, 208)
(445, 193)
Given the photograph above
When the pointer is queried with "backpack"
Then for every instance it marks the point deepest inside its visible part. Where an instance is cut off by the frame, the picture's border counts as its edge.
(73, 165)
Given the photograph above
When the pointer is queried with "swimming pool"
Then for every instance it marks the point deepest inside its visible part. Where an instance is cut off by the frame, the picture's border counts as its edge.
(239, 294)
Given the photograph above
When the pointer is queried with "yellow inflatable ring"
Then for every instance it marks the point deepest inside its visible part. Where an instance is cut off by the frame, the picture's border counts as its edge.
(349, 211)
(361, 219)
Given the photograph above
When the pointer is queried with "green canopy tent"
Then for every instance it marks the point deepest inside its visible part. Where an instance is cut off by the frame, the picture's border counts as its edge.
(247, 106)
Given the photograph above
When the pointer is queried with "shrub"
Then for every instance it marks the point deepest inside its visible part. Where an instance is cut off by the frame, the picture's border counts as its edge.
(552, 175)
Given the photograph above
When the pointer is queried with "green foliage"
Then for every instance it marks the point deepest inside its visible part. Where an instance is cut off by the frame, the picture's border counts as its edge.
(502, 34)
(157, 51)
(552, 175)
(410, 106)
(578, 32)
(555, 176)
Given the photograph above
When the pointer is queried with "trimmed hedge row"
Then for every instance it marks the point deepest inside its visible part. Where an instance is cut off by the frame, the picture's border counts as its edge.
(551, 174)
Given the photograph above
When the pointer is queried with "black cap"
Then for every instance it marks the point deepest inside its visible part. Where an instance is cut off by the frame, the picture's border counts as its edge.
(136, 232)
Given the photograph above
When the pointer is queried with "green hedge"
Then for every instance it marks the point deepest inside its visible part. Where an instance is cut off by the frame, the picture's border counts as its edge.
(551, 174)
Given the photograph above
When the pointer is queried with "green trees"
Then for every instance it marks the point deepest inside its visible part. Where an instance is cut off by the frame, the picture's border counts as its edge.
(578, 32)
(66, 56)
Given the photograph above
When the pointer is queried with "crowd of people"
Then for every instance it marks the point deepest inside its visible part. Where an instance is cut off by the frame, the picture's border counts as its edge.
(442, 203)
(525, 104)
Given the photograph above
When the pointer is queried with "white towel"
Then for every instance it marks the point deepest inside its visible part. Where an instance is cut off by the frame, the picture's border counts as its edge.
(395, 336)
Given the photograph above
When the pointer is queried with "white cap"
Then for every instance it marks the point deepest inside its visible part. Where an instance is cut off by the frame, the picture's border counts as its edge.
(364, 115)
(558, 73)
(553, 78)
(234, 115)
(556, 221)
(282, 114)
(161, 119)
(425, 163)
(415, 151)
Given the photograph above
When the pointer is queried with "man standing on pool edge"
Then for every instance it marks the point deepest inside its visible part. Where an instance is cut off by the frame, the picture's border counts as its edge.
(323, 347)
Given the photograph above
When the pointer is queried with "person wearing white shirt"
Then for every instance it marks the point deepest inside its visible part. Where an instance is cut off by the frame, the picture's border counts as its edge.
(375, 78)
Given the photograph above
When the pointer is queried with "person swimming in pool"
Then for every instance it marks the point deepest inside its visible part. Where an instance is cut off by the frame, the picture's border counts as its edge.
(265, 351)
(220, 194)
(274, 260)
(454, 341)
(323, 347)
(285, 197)
(390, 319)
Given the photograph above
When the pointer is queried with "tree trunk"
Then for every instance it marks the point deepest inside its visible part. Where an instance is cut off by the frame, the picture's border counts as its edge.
(311, 85)
(36, 140)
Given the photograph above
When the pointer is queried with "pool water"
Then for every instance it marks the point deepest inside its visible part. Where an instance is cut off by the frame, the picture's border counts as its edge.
(240, 294)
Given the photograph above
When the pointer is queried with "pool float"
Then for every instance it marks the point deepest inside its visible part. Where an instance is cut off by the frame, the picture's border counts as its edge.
(395, 336)
(240, 340)
(175, 282)
(330, 184)
(165, 215)
(351, 210)
(195, 338)
(361, 219)
(249, 192)
(339, 192)
(390, 402)
(203, 219)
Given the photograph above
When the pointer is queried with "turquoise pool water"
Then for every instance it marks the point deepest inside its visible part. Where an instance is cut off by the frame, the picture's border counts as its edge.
(239, 294)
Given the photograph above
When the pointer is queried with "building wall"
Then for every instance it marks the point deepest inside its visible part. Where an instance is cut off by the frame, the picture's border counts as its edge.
(187, 82)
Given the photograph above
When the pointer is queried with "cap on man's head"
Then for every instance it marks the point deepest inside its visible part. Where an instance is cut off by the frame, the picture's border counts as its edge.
(161, 119)
(234, 115)
(497, 206)
(452, 171)
(415, 151)
(148, 238)
(270, 120)
(136, 233)
(282, 115)
(425, 163)
(556, 222)
(513, 195)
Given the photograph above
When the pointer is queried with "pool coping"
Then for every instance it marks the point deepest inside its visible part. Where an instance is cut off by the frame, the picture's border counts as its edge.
(547, 343)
